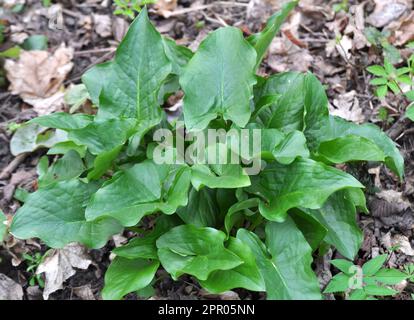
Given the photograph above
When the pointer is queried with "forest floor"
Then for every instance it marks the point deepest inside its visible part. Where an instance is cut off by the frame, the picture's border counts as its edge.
(336, 46)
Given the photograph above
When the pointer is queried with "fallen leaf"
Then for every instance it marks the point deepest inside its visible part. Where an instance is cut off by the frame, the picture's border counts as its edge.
(165, 7)
(37, 77)
(403, 244)
(84, 292)
(10, 290)
(387, 11)
(102, 25)
(59, 266)
(344, 47)
(403, 30)
(347, 106)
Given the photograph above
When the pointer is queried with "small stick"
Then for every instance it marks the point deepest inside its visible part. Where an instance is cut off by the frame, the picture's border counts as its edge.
(7, 171)
(204, 7)
(92, 51)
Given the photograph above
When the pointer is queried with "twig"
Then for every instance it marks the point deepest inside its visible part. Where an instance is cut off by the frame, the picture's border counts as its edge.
(6, 172)
(204, 7)
(92, 51)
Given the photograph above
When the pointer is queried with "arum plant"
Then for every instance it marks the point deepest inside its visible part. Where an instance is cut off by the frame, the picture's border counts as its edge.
(211, 221)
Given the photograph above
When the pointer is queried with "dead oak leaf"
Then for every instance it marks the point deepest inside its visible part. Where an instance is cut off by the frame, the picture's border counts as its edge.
(387, 11)
(347, 106)
(38, 76)
(59, 266)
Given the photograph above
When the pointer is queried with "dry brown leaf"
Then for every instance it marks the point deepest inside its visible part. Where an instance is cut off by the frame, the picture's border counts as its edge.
(84, 292)
(102, 25)
(10, 290)
(403, 244)
(37, 77)
(59, 266)
(347, 106)
(403, 30)
(387, 11)
(165, 7)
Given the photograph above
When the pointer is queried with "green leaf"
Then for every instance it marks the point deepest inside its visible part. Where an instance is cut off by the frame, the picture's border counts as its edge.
(76, 96)
(378, 81)
(338, 283)
(202, 209)
(394, 87)
(68, 167)
(311, 228)
(358, 294)
(231, 176)
(195, 251)
(377, 71)
(338, 215)
(410, 95)
(224, 67)
(56, 214)
(116, 200)
(389, 276)
(66, 146)
(344, 265)
(261, 41)
(374, 290)
(236, 211)
(144, 247)
(283, 279)
(374, 265)
(245, 276)
(132, 80)
(304, 183)
(293, 146)
(382, 91)
(103, 136)
(336, 127)
(35, 42)
(178, 55)
(287, 113)
(350, 148)
(127, 275)
(3, 226)
(410, 113)
(30, 137)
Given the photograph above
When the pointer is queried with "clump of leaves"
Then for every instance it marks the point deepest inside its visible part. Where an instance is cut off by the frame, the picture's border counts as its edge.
(366, 282)
(129, 8)
(33, 261)
(389, 77)
(211, 221)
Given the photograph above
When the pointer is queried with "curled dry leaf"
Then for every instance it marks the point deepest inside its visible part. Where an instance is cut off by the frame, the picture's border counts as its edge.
(403, 30)
(347, 106)
(165, 7)
(403, 244)
(38, 76)
(59, 266)
(10, 290)
(387, 11)
(102, 25)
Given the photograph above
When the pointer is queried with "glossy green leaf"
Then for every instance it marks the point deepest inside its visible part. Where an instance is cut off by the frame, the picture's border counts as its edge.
(261, 41)
(236, 211)
(374, 290)
(178, 55)
(338, 215)
(389, 276)
(63, 120)
(202, 209)
(131, 81)
(312, 229)
(374, 265)
(127, 275)
(224, 67)
(344, 265)
(56, 214)
(231, 176)
(147, 180)
(304, 183)
(246, 275)
(283, 279)
(339, 283)
(196, 251)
